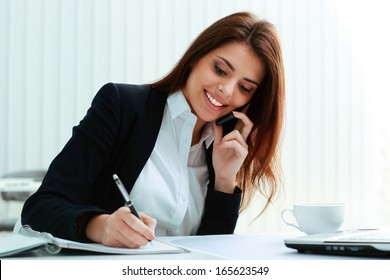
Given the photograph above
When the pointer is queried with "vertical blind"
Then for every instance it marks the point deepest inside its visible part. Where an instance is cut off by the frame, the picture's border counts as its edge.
(56, 54)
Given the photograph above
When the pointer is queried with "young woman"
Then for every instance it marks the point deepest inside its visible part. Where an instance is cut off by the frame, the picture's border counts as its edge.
(185, 174)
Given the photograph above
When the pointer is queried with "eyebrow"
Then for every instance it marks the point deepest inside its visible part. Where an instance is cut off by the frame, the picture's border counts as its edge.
(231, 67)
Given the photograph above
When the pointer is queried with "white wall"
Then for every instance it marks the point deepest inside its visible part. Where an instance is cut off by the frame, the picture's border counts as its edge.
(55, 55)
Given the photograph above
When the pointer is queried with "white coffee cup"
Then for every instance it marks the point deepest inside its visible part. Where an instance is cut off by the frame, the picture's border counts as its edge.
(317, 217)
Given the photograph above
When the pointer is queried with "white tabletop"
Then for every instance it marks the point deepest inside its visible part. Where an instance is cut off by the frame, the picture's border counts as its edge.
(209, 247)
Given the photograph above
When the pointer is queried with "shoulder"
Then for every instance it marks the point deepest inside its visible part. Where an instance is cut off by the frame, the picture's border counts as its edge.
(131, 95)
(115, 90)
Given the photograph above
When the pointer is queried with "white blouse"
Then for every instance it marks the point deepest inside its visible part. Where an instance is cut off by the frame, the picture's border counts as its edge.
(173, 183)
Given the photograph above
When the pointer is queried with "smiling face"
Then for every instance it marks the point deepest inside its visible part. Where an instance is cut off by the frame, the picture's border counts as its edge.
(223, 80)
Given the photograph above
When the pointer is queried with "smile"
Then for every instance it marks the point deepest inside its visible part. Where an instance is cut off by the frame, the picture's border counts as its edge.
(213, 101)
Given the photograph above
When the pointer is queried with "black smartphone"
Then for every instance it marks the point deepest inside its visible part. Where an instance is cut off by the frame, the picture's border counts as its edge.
(229, 116)
(225, 119)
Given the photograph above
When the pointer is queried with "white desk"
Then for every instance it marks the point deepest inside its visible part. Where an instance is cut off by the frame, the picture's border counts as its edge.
(252, 247)
(211, 256)
(211, 247)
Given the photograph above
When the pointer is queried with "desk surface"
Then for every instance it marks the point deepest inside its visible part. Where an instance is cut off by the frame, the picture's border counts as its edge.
(209, 247)
(252, 247)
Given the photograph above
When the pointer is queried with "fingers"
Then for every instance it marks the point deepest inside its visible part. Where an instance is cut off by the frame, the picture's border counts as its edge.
(125, 230)
(236, 136)
(234, 143)
(218, 134)
(139, 231)
(128, 237)
(148, 221)
(236, 139)
(245, 125)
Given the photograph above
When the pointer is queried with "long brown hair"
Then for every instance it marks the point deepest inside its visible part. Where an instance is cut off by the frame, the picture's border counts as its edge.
(261, 170)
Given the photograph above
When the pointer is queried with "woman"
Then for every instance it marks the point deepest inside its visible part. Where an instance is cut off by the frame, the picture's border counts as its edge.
(185, 174)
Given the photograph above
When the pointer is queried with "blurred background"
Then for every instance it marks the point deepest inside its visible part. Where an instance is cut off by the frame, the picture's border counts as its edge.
(56, 54)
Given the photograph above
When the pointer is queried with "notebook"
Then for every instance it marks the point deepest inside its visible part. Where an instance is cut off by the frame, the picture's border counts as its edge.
(358, 242)
(28, 240)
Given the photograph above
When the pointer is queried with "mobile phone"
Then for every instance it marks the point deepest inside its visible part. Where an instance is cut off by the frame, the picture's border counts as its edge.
(225, 119)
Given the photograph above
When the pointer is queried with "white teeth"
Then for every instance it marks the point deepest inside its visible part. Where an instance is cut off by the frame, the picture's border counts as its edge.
(212, 100)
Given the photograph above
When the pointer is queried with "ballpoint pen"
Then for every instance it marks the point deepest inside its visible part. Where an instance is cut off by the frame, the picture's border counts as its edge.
(125, 195)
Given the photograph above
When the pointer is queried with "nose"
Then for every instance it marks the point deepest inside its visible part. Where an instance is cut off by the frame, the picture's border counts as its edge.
(226, 89)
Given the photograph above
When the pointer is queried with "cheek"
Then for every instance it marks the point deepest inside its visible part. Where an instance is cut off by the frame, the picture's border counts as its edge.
(195, 80)
(203, 76)
(240, 100)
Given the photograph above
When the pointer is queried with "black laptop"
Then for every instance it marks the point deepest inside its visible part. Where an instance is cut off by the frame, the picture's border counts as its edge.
(359, 242)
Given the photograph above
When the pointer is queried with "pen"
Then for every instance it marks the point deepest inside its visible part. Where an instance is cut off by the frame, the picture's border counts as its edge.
(125, 195)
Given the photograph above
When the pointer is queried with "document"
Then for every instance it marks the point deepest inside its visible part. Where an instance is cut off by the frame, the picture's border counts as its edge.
(28, 240)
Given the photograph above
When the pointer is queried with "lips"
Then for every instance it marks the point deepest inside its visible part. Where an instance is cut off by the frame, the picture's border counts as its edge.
(213, 100)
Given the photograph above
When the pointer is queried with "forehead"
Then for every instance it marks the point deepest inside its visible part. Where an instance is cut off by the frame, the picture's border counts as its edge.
(243, 59)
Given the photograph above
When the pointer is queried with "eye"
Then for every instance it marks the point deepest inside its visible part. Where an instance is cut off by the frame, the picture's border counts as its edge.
(219, 70)
(244, 88)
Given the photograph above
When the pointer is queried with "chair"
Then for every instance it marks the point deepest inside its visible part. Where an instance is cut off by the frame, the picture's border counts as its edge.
(17, 187)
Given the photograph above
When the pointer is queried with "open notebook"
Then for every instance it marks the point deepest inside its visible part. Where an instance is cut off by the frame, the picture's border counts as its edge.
(28, 239)
(365, 242)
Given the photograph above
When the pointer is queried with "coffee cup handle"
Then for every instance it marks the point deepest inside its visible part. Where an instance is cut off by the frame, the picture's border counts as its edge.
(284, 220)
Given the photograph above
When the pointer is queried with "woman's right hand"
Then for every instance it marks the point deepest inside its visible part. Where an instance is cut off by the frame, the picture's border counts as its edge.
(121, 229)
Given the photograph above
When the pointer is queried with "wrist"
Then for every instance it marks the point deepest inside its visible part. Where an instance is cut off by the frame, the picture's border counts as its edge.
(224, 185)
(95, 227)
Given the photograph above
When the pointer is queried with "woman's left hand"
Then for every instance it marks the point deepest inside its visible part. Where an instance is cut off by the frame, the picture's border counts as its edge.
(229, 152)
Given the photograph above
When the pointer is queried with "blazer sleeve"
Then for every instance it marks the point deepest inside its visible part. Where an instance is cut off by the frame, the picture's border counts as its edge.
(70, 188)
(221, 210)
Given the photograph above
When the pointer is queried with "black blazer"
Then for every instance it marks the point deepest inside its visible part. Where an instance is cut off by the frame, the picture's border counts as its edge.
(117, 135)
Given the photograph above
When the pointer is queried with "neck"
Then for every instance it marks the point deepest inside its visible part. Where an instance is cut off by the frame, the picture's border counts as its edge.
(196, 134)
